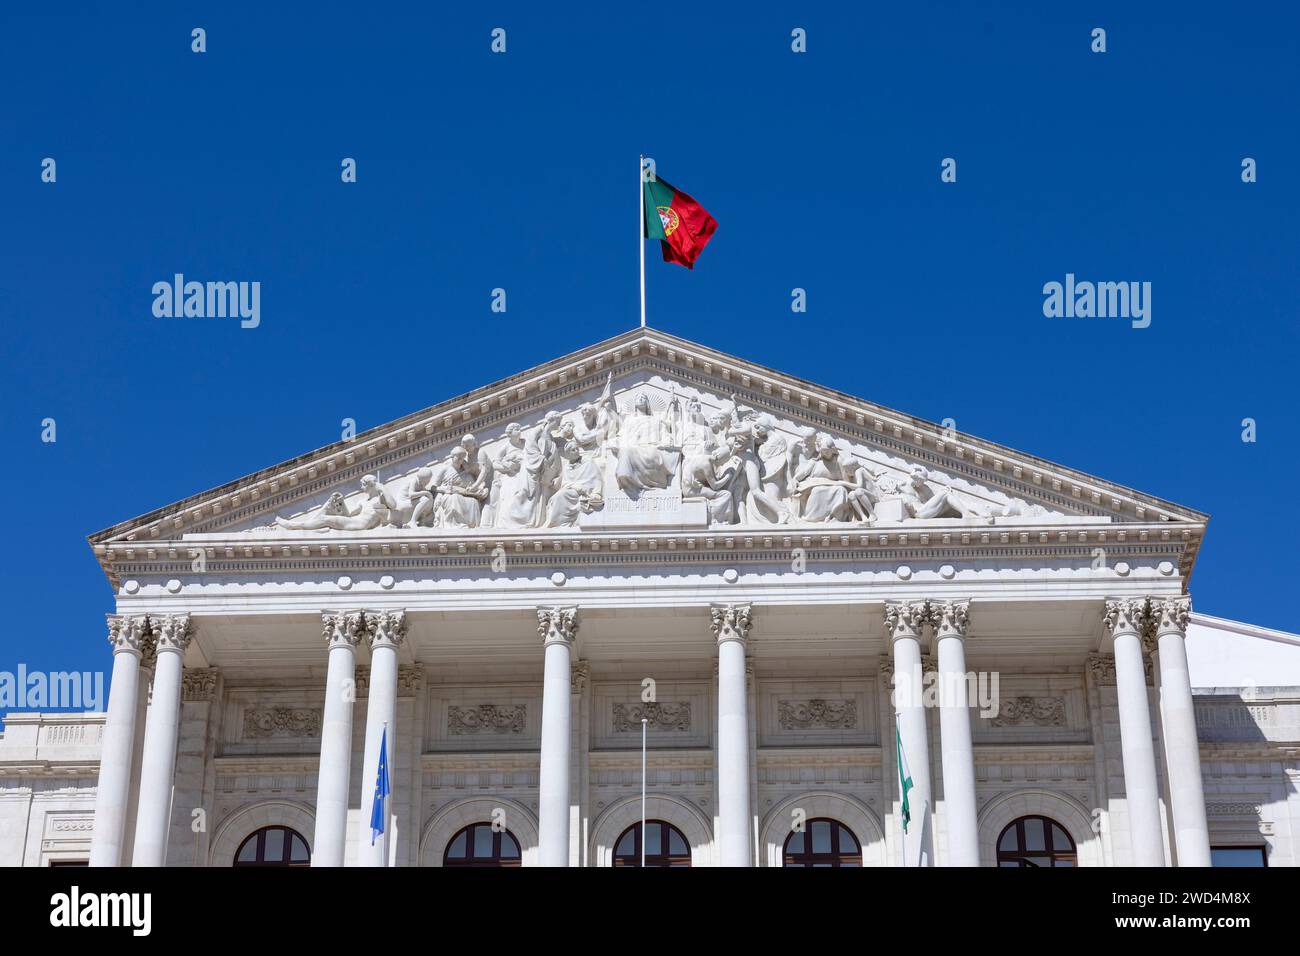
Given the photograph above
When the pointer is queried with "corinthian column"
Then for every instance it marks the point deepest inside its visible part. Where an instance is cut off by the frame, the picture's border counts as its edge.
(1126, 620)
(127, 636)
(386, 631)
(1178, 729)
(172, 635)
(342, 633)
(730, 626)
(558, 627)
(904, 625)
(949, 620)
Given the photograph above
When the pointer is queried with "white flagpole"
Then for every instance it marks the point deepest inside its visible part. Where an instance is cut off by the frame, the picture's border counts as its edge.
(640, 239)
(644, 722)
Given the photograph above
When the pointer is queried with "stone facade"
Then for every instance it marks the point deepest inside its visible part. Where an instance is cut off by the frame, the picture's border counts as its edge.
(648, 535)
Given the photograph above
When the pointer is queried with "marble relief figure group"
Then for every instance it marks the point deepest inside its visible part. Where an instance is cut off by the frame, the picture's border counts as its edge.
(550, 475)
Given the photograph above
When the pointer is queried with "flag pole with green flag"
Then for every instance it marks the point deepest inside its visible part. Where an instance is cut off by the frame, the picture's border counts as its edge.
(904, 784)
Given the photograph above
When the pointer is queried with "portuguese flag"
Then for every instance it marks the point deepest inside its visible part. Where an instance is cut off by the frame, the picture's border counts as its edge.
(682, 226)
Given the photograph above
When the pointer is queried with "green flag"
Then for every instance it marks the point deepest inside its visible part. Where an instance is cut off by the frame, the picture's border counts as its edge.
(904, 778)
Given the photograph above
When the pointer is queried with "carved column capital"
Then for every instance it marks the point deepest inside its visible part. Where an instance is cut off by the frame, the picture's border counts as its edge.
(199, 683)
(172, 632)
(557, 624)
(128, 633)
(887, 668)
(906, 619)
(1171, 615)
(731, 622)
(342, 628)
(950, 618)
(385, 628)
(1127, 616)
(1102, 668)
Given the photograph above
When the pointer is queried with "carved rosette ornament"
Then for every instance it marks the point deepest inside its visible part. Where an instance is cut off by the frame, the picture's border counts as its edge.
(342, 628)
(906, 619)
(1171, 615)
(950, 618)
(199, 683)
(172, 632)
(128, 633)
(557, 624)
(386, 628)
(731, 622)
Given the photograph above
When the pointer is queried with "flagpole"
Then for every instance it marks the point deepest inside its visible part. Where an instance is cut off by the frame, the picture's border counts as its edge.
(644, 722)
(383, 742)
(902, 824)
(640, 241)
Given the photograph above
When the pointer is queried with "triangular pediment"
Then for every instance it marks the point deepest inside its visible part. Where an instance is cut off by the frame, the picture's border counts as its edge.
(646, 433)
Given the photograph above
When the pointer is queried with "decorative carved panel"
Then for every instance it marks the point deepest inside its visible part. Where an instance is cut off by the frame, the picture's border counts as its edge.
(1035, 711)
(817, 713)
(266, 722)
(487, 718)
(658, 716)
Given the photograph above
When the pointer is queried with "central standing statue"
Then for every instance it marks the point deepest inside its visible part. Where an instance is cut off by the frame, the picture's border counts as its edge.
(647, 449)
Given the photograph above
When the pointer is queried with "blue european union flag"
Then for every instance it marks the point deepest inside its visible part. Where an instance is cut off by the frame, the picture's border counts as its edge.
(382, 790)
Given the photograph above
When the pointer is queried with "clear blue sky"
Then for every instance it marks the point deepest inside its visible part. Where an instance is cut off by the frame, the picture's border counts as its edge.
(479, 171)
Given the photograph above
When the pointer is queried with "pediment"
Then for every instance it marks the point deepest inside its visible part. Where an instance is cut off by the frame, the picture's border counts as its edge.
(646, 433)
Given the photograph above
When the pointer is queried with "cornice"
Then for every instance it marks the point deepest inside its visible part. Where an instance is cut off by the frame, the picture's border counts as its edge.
(763, 389)
(956, 542)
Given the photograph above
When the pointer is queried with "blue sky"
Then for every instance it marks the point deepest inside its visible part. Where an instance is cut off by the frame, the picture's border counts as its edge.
(478, 171)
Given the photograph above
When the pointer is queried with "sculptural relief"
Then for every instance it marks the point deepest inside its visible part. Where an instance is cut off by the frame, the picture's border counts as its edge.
(651, 461)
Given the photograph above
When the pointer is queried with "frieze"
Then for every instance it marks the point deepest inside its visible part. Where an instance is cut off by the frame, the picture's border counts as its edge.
(1036, 711)
(817, 713)
(265, 722)
(487, 718)
(670, 717)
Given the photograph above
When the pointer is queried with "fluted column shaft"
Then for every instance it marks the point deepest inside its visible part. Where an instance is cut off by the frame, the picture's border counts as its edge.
(172, 635)
(1178, 729)
(904, 625)
(559, 628)
(1125, 619)
(386, 630)
(342, 633)
(112, 792)
(949, 620)
(730, 626)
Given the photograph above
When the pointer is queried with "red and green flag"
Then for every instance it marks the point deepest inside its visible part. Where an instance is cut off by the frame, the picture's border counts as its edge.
(682, 226)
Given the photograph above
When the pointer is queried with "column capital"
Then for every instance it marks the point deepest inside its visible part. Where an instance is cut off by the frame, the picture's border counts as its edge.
(731, 622)
(172, 632)
(1127, 615)
(1170, 615)
(199, 683)
(950, 618)
(557, 624)
(128, 633)
(906, 619)
(385, 628)
(342, 628)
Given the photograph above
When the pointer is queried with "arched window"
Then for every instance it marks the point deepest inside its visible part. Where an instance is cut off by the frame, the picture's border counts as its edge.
(1036, 841)
(273, 846)
(822, 842)
(479, 844)
(664, 846)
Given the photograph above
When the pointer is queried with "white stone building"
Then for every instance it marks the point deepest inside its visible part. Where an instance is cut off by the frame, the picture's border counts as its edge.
(742, 563)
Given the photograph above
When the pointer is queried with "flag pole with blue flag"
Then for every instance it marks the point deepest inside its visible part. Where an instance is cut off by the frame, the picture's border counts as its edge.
(378, 811)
